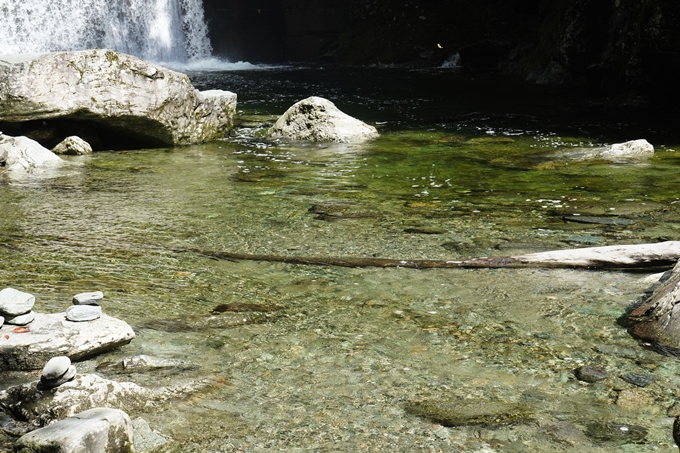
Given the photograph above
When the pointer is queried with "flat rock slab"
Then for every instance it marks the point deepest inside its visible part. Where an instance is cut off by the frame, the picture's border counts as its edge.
(51, 335)
(98, 430)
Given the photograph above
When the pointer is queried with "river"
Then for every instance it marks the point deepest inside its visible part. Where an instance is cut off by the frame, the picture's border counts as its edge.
(345, 359)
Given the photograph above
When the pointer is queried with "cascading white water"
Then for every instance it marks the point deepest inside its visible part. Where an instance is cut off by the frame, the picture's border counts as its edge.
(157, 30)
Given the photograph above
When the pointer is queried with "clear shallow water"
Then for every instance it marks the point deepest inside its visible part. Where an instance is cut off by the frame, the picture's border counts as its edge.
(337, 367)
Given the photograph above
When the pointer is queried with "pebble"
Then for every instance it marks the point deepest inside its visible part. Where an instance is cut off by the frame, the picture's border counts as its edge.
(56, 367)
(21, 320)
(81, 313)
(639, 379)
(91, 298)
(617, 433)
(15, 303)
(590, 373)
(46, 384)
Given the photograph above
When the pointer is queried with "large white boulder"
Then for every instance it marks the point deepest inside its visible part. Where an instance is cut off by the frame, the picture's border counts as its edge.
(319, 120)
(22, 153)
(113, 90)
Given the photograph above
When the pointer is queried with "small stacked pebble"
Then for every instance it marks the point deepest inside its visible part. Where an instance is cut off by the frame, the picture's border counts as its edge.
(16, 307)
(57, 371)
(85, 307)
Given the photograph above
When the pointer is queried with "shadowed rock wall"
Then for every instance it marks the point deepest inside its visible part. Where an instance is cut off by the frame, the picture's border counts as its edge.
(611, 45)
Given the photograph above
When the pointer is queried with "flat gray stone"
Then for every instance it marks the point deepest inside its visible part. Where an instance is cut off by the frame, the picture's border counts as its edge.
(46, 384)
(91, 298)
(56, 367)
(14, 302)
(98, 430)
(52, 335)
(82, 313)
(21, 320)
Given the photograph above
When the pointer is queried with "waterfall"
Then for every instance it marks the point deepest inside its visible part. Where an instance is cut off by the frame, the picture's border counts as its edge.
(156, 30)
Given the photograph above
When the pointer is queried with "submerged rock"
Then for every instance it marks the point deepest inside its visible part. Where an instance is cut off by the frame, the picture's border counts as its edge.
(114, 92)
(98, 430)
(146, 439)
(52, 335)
(459, 413)
(590, 373)
(22, 153)
(319, 120)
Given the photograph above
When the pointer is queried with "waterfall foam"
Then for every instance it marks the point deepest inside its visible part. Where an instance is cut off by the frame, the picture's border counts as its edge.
(156, 30)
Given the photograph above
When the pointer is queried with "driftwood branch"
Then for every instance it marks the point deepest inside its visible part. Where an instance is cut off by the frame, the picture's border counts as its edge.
(610, 257)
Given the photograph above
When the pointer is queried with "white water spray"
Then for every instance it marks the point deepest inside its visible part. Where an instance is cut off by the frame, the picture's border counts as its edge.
(156, 30)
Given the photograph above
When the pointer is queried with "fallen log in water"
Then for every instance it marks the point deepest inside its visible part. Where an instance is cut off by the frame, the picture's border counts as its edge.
(608, 257)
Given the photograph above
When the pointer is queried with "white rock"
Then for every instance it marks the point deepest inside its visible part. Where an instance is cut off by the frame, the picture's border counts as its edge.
(56, 367)
(21, 320)
(2, 321)
(47, 384)
(82, 313)
(73, 146)
(91, 298)
(633, 148)
(98, 430)
(51, 335)
(114, 90)
(14, 302)
(319, 120)
(22, 153)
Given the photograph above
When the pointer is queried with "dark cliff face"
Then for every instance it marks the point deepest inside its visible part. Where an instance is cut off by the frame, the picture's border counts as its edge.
(617, 46)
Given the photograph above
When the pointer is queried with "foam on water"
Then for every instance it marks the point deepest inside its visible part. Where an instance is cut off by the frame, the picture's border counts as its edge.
(160, 30)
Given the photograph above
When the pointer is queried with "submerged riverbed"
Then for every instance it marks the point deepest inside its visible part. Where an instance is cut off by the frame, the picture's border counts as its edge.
(369, 359)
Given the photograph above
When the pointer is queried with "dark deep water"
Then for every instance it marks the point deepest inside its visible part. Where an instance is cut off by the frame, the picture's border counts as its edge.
(467, 165)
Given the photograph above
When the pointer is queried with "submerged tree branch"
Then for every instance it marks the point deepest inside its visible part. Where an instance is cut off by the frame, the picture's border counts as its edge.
(609, 257)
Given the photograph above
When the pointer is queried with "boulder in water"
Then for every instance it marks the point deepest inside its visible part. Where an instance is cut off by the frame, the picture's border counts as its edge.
(24, 154)
(73, 146)
(633, 148)
(319, 120)
(657, 318)
(121, 96)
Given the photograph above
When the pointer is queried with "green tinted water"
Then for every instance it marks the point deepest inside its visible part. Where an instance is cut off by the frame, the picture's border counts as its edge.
(341, 365)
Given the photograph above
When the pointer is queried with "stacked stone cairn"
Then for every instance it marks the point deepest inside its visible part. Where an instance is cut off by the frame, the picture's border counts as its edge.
(56, 372)
(85, 307)
(16, 307)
